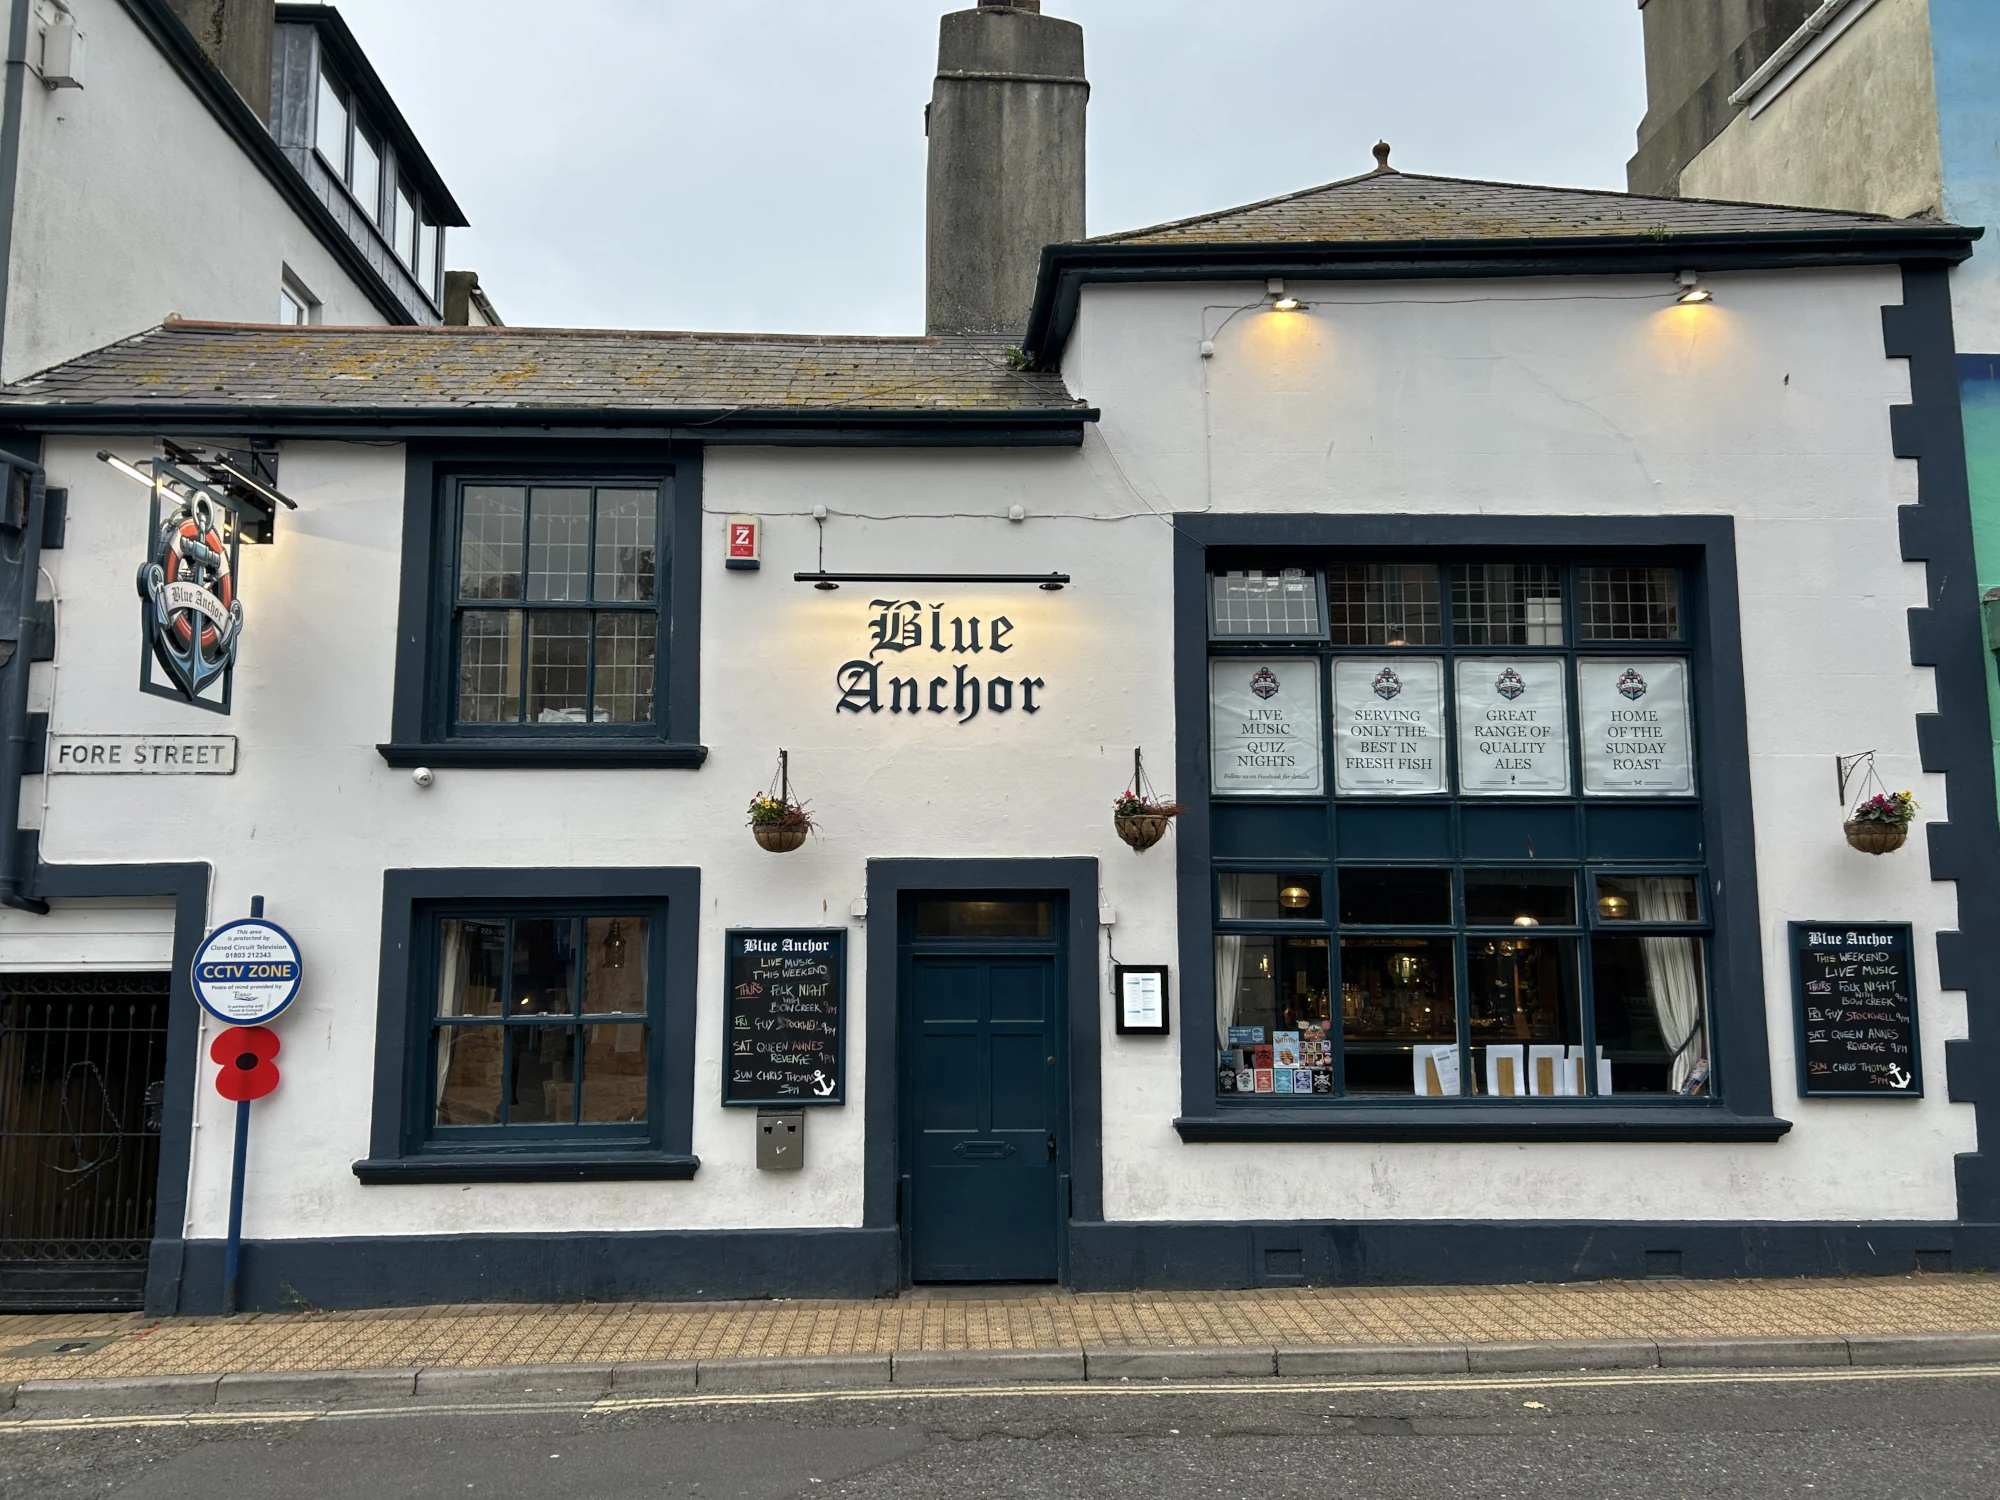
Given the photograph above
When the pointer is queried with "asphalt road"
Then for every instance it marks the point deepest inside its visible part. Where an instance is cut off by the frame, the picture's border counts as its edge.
(1651, 1435)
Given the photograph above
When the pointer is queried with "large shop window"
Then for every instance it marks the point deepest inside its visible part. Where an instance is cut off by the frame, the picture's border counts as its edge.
(1502, 892)
(534, 1025)
(560, 622)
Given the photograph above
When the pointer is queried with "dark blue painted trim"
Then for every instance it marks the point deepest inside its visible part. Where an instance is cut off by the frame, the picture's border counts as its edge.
(420, 732)
(425, 1270)
(397, 1136)
(1703, 545)
(1170, 1256)
(888, 880)
(1481, 1120)
(1956, 741)
(1066, 269)
(186, 885)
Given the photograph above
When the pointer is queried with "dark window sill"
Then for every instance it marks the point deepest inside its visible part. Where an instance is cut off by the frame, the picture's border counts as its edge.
(538, 754)
(524, 1166)
(1477, 1122)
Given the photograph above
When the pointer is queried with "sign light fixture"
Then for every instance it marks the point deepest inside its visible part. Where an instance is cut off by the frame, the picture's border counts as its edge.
(1051, 582)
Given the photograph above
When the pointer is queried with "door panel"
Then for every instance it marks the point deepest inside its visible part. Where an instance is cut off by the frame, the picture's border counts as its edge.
(985, 1099)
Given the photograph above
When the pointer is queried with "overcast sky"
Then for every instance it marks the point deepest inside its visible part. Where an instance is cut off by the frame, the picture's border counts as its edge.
(759, 164)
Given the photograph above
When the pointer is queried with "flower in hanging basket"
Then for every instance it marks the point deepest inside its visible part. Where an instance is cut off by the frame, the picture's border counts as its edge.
(1881, 824)
(1141, 821)
(779, 824)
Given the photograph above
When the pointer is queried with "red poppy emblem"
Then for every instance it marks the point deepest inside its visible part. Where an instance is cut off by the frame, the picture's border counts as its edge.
(245, 1053)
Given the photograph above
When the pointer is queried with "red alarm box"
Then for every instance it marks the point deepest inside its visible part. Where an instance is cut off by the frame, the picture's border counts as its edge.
(744, 545)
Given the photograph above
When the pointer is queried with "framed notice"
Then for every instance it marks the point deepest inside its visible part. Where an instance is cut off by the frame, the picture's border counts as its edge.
(1513, 726)
(1142, 999)
(1264, 726)
(1632, 718)
(1854, 991)
(1388, 726)
(784, 1015)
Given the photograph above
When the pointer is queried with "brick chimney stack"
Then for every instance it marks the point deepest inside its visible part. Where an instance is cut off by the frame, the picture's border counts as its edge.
(1006, 124)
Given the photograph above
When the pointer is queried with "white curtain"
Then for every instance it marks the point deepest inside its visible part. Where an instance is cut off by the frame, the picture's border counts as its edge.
(1228, 963)
(1673, 975)
(451, 970)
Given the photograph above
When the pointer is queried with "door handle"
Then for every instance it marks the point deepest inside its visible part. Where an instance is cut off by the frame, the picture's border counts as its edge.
(1052, 1145)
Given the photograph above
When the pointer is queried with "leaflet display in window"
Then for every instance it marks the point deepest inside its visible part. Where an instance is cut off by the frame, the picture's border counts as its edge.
(1637, 738)
(1388, 726)
(1264, 726)
(1513, 726)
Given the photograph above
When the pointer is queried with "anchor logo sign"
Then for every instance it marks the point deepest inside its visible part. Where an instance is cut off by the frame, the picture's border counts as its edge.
(1898, 1077)
(822, 1085)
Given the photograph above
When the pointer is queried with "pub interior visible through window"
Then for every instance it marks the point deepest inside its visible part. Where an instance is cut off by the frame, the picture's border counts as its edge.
(1492, 764)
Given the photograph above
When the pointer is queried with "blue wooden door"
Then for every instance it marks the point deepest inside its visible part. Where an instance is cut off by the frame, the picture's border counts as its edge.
(983, 1081)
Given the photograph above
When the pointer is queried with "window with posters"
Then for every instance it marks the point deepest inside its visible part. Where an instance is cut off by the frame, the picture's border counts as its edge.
(1506, 899)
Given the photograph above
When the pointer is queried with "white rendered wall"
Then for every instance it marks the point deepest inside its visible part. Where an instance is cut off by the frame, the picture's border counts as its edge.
(1378, 400)
(133, 203)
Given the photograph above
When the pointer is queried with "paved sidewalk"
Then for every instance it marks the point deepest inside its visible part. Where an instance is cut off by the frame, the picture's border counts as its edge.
(130, 1346)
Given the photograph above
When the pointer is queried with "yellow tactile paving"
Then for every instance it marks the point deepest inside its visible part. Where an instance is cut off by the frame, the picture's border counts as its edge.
(490, 1335)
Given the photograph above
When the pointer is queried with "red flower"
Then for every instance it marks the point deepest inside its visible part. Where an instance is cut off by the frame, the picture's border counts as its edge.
(245, 1053)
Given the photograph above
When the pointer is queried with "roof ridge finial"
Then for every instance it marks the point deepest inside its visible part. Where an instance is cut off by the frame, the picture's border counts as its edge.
(1382, 157)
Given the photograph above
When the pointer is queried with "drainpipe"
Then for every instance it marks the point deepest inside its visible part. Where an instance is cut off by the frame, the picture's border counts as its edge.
(21, 505)
(1792, 46)
(10, 143)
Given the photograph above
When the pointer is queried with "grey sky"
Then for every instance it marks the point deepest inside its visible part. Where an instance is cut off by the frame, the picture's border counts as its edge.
(759, 164)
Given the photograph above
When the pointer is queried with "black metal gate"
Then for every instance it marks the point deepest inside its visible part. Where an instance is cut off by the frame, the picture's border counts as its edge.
(82, 1064)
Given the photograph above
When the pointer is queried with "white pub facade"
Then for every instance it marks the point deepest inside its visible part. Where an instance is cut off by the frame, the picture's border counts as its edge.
(1509, 583)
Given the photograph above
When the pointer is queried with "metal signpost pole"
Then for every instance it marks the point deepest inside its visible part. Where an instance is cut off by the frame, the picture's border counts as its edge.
(232, 1257)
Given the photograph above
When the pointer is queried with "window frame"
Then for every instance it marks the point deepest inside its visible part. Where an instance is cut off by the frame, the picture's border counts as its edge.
(406, 1147)
(1703, 548)
(423, 719)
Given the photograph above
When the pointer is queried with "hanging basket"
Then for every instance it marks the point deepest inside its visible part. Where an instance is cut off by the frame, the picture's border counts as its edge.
(778, 838)
(1142, 830)
(779, 822)
(1872, 836)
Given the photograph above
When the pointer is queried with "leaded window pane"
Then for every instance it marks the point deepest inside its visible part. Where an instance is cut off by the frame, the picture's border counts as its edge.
(1507, 604)
(489, 666)
(1630, 604)
(625, 522)
(1254, 603)
(1383, 604)
(489, 551)
(626, 645)
(559, 544)
(558, 667)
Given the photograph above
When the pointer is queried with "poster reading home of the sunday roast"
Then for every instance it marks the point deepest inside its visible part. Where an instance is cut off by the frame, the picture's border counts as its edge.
(1264, 725)
(1634, 722)
(1513, 726)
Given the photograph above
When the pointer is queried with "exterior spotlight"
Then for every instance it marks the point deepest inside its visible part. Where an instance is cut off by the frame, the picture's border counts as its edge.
(128, 470)
(1692, 291)
(1281, 300)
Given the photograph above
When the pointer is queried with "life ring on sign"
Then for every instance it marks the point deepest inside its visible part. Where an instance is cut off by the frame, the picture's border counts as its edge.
(224, 588)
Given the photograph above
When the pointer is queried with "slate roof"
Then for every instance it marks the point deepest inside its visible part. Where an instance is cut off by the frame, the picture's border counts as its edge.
(1407, 206)
(458, 369)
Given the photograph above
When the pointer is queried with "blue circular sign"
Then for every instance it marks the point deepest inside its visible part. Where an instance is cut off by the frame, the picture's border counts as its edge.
(247, 972)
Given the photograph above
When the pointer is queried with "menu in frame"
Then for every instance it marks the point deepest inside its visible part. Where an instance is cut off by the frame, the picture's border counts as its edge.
(783, 1012)
(1264, 726)
(1513, 726)
(1633, 720)
(1388, 726)
(1855, 989)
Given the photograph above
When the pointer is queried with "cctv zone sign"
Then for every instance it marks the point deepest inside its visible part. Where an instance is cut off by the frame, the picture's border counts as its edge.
(890, 678)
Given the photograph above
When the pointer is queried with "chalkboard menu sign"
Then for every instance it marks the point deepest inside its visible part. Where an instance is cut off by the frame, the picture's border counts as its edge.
(1854, 986)
(785, 1012)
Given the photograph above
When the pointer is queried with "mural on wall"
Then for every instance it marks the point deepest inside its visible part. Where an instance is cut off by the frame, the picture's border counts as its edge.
(901, 626)
(190, 615)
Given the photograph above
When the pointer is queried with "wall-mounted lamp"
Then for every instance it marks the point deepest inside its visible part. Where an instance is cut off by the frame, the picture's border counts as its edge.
(1526, 921)
(1281, 300)
(1692, 291)
(1295, 898)
(1614, 907)
(128, 470)
(614, 946)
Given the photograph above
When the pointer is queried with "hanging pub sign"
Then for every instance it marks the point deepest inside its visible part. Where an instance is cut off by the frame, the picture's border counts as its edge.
(1855, 991)
(1388, 726)
(1513, 727)
(1264, 726)
(189, 612)
(1633, 719)
(784, 1014)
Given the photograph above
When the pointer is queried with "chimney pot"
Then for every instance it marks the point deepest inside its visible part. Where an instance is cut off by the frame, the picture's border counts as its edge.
(1032, 7)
